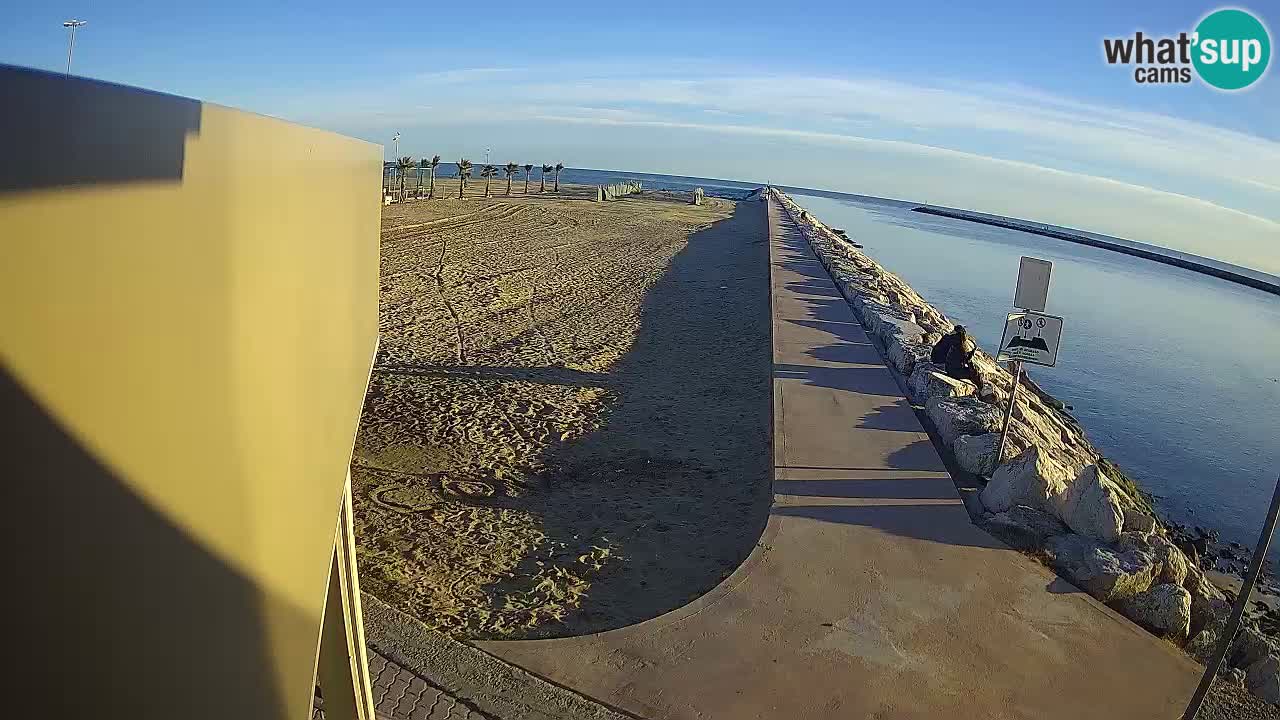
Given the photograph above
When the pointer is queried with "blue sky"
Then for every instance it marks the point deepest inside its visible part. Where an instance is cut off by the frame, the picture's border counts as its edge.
(1009, 108)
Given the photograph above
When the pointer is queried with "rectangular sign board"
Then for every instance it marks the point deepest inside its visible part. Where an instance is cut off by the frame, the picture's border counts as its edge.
(1033, 284)
(1031, 337)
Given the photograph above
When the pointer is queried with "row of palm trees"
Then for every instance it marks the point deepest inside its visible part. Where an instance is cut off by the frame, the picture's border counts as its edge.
(488, 172)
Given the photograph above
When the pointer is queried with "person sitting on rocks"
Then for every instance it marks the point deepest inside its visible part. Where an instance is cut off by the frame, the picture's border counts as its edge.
(954, 352)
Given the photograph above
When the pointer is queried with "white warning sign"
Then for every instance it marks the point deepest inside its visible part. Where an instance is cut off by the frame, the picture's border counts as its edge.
(1031, 338)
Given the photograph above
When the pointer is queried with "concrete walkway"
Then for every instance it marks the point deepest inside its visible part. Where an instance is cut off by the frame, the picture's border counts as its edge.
(870, 594)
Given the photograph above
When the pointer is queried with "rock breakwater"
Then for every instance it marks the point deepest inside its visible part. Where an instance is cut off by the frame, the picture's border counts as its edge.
(1051, 493)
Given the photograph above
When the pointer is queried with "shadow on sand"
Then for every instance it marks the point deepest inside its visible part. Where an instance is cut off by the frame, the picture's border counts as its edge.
(676, 480)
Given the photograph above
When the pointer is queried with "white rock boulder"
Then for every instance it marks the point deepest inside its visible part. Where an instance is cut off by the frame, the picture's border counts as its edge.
(1092, 506)
(1209, 613)
(1033, 479)
(929, 381)
(1175, 566)
(958, 416)
(865, 302)
(1106, 573)
(904, 353)
(1023, 528)
(1138, 521)
(977, 453)
(1163, 609)
(893, 325)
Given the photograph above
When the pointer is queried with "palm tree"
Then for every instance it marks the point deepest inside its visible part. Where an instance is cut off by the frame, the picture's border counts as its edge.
(488, 172)
(559, 167)
(464, 172)
(545, 169)
(435, 160)
(402, 166)
(527, 169)
(510, 169)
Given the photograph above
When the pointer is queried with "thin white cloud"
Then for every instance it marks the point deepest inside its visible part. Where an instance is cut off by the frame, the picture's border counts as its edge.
(460, 75)
(901, 147)
(1006, 121)
(1133, 141)
(1001, 148)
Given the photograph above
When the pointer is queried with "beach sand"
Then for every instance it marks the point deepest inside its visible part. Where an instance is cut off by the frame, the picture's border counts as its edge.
(567, 427)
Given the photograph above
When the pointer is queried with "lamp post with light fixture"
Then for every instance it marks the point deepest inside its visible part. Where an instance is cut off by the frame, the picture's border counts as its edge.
(71, 26)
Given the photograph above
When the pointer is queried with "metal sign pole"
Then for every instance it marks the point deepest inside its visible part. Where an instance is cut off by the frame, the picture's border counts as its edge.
(1008, 413)
(1242, 600)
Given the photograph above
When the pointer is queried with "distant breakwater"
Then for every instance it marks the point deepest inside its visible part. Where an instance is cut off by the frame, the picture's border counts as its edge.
(1185, 263)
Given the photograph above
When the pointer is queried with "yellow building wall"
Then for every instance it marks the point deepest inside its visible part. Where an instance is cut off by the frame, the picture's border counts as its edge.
(188, 315)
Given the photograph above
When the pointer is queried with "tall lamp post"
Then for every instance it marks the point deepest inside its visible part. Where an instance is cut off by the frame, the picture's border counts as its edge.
(71, 26)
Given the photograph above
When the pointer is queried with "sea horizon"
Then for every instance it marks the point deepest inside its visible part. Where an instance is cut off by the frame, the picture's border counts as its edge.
(716, 187)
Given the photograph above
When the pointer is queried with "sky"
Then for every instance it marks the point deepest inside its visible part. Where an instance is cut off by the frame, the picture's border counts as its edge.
(1008, 109)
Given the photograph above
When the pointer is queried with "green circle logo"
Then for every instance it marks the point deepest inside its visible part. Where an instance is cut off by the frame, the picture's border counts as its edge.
(1232, 49)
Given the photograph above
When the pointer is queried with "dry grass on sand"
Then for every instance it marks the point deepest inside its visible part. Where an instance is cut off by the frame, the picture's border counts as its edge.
(567, 427)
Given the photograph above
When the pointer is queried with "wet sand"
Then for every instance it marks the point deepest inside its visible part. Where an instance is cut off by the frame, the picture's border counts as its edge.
(567, 427)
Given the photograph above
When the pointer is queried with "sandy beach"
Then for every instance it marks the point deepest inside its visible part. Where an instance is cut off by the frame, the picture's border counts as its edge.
(567, 427)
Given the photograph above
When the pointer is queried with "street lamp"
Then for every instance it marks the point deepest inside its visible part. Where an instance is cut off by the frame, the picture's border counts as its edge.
(71, 26)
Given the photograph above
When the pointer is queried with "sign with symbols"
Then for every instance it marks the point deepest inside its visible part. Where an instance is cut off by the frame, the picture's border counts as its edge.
(1033, 284)
(1031, 337)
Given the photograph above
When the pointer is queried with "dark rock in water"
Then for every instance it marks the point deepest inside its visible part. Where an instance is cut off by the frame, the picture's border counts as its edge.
(1188, 548)
(1201, 546)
